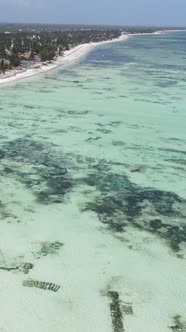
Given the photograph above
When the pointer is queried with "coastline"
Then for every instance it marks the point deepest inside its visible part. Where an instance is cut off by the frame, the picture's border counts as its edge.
(69, 56)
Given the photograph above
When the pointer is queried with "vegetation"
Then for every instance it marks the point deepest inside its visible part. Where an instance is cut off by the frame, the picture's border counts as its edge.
(42, 42)
(45, 45)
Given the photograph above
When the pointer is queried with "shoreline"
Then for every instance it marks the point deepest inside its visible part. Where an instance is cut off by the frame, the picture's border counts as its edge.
(69, 56)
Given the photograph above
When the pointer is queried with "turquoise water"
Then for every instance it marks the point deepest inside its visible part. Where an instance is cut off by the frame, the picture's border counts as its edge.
(112, 239)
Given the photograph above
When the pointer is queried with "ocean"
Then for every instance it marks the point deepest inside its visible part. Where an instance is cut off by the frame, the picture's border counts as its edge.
(93, 194)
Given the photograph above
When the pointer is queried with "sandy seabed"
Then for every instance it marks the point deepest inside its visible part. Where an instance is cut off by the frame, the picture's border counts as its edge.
(71, 260)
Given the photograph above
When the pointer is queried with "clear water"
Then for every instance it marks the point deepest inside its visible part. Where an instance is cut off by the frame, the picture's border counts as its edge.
(71, 206)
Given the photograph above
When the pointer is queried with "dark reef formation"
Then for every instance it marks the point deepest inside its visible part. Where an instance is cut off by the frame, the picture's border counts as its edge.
(46, 172)
(119, 203)
(178, 324)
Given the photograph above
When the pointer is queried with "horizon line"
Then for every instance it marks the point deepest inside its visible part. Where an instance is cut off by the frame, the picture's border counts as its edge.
(88, 24)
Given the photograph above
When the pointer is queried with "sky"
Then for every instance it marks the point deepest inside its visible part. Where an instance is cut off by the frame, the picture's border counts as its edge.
(113, 12)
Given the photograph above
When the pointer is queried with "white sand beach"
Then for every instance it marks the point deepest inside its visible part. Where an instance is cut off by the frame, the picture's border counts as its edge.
(72, 55)
(69, 56)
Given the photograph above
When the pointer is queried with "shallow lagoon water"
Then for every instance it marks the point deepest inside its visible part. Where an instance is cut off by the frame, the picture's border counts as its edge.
(72, 212)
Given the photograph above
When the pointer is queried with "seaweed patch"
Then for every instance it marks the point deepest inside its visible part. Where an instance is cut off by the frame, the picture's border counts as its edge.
(116, 313)
(5, 214)
(22, 267)
(178, 324)
(49, 248)
(176, 234)
(121, 203)
(46, 171)
(42, 285)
